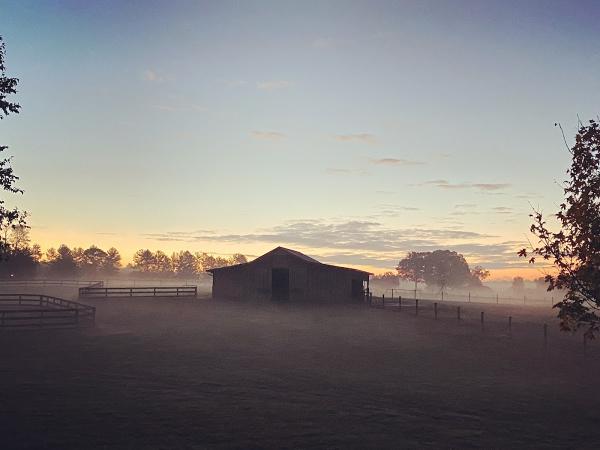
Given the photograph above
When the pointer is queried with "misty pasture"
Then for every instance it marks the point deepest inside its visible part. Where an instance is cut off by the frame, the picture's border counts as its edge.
(209, 373)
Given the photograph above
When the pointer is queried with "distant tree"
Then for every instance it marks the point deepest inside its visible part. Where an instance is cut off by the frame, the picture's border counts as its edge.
(9, 218)
(518, 284)
(36, 252)
(61, 262)
(78, 257)
(479, 274)
(445, 268)
(185, 264)
(144, 261)
(112, 262)
(18, 238)
(92, 260)
(237, 258)
(541, 283)
(20, 263)
(205, 261)
(574, 250)
(162, 263)
(412, 267)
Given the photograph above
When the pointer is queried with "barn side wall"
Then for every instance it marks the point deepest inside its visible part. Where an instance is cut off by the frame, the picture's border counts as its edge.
(309, 282)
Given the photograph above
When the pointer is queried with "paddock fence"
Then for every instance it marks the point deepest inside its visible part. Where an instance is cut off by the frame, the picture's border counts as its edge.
(138, 291)
(44, 282)
(32, 310)
(474, 315)
(468, 297)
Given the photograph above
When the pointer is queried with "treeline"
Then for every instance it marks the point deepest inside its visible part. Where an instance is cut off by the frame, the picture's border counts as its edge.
(21, 259)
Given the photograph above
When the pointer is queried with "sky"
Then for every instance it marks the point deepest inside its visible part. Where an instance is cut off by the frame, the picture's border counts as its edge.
(352, 131)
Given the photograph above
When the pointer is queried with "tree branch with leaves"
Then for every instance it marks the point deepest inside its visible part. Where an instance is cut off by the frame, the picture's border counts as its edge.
(574, 250)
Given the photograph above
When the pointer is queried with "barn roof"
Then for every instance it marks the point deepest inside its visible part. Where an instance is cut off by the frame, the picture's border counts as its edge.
(293, 253)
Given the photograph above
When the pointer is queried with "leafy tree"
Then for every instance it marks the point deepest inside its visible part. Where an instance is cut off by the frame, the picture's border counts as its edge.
(412, 267)
(144, 261)
(162, 263)
(61, 262)
(574, 250)
(18, 238)
(112, 262)
(36, 252)
(206, 261)
(479, 274)
(8, 217)
(93, 260)
(237, 258)
(518, 284)
(445, 268)
(185, 264)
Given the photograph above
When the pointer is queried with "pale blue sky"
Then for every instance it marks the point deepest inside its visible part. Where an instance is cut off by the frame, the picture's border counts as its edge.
(354, 131)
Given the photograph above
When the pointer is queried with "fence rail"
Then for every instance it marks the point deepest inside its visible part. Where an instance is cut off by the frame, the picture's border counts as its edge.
(31, 310)
(149, 291)
(411, 294)
(77, 283)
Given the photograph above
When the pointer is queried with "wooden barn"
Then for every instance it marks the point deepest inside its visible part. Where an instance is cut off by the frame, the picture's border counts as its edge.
(287, 275)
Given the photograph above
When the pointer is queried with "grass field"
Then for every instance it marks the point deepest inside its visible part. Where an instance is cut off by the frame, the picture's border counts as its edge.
(166, 373)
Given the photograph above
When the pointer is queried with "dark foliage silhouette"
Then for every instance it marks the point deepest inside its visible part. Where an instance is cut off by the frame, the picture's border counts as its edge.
(574, 250)
(8, 217)
(441, 268)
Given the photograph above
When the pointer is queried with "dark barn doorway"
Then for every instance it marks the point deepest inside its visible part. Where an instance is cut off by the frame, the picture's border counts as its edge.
(357, 289)
(280, 285)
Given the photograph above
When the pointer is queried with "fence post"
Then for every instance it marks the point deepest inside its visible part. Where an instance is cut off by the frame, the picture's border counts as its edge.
(154, 292)
(496, 299)
(370, 299)
(469, 297)
(435, 310)
(458, 312)
(383, 300)
(416, 306)
(442, 295)
(399, 302)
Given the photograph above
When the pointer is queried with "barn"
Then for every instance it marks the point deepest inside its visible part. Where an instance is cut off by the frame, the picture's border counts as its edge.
(288, 275)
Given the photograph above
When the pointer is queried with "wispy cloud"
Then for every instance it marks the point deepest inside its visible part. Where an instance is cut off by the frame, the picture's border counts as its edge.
(445, 184)
(273, 85)
(396, 162)
(342, 170)
(179, 108)
(365, 138)
(267, 135)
